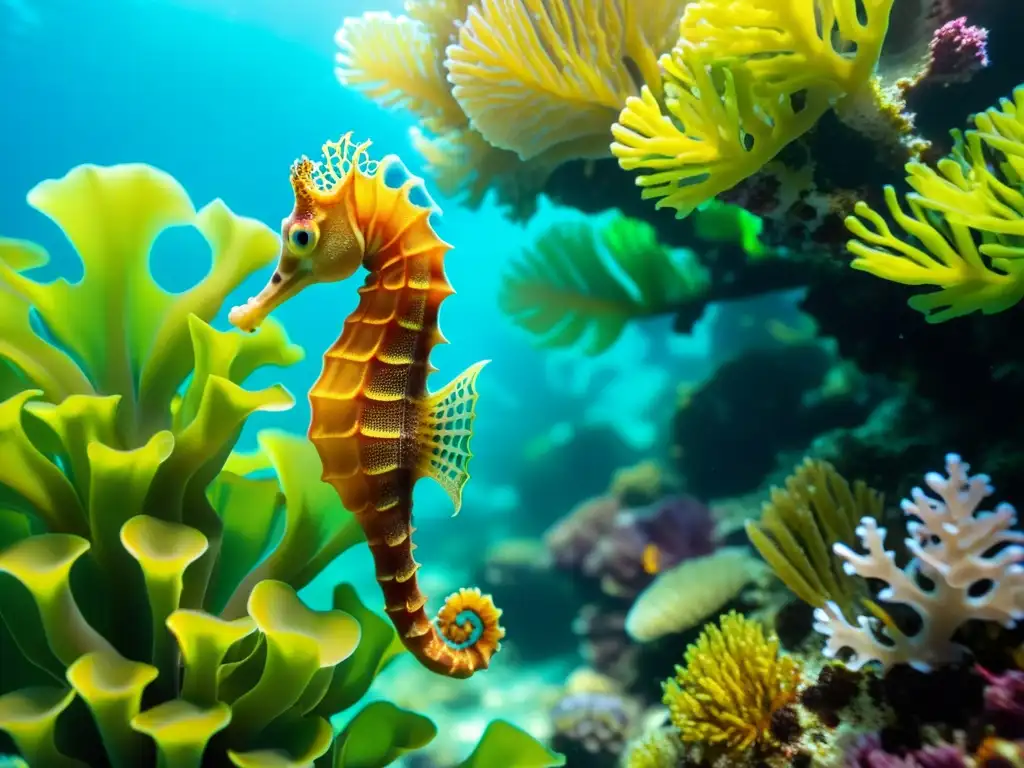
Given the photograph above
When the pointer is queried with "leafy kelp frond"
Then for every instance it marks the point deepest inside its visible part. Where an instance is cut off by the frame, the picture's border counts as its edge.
(397, 62)
(743, 81)
(801, 523)
(533, 75)
(112, 217)
(505, 744)
(577, 283)
(965, 226)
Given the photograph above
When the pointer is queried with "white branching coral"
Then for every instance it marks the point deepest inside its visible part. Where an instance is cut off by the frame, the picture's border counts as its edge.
(970, 562)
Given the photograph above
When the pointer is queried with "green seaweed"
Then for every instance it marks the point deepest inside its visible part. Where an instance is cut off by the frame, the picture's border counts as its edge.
(505, 744)
(149, 613)
(580, 284)
(798, 527)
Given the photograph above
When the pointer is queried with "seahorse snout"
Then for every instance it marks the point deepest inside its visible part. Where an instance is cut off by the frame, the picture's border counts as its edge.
(290, 277)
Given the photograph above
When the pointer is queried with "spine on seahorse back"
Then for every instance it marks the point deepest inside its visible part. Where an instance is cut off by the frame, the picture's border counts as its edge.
(368, 411)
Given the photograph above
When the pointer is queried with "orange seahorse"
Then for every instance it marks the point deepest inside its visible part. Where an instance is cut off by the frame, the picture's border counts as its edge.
(376, 427)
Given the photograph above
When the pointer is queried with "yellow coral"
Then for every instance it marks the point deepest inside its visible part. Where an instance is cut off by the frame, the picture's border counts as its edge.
(397, 62)
(440, 17)
(658, 749)
(744, 80)
(735, 679)
(966, 221)
(534, 75)
(791, 45)
(462, 163)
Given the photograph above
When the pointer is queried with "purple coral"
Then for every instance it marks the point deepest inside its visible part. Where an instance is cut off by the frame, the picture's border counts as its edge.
(867, 752)
(679, 527)
(957, 51)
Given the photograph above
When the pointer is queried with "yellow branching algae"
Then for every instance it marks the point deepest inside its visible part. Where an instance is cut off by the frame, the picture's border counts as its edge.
(734, 680)
(395, 62)
(964, 232)
(744, 80)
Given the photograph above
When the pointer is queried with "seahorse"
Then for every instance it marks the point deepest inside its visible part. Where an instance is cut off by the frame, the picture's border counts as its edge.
(377, 428)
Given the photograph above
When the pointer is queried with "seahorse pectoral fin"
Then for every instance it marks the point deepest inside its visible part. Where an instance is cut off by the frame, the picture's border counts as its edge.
(445, 431)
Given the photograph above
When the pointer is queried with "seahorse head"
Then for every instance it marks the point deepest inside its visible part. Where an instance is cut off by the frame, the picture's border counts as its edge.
(321, 241)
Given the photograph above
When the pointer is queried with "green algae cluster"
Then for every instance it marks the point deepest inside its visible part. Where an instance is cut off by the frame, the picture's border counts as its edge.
(149, 613)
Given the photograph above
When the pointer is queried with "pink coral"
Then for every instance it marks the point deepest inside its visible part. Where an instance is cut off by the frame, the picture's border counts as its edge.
(957, 51)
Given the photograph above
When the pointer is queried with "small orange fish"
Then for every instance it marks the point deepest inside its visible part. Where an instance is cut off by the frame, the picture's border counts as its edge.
(651, 559)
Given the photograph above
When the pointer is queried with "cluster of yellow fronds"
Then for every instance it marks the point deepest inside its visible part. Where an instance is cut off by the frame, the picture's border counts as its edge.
(399, 62)
(745, 78)
(505, 90)
(547, 81)
(965, 226)
(734, 680)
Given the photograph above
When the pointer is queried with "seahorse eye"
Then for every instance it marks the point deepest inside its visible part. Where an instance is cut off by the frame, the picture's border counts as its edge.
(302, 238)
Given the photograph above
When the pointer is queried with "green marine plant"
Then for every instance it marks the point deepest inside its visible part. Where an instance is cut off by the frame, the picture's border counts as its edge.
(964, 232)
(800, 524)
(744, 80)
(583, 284)
(148, 574)
(734, 682)
(576, 283)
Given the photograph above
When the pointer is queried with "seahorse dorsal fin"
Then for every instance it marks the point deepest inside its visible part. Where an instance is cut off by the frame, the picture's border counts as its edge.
(445, 430)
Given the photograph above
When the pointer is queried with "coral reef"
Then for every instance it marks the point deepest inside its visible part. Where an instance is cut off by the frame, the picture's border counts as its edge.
(726, 441)
(868, 753)
(646, 540)
(957, 52)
